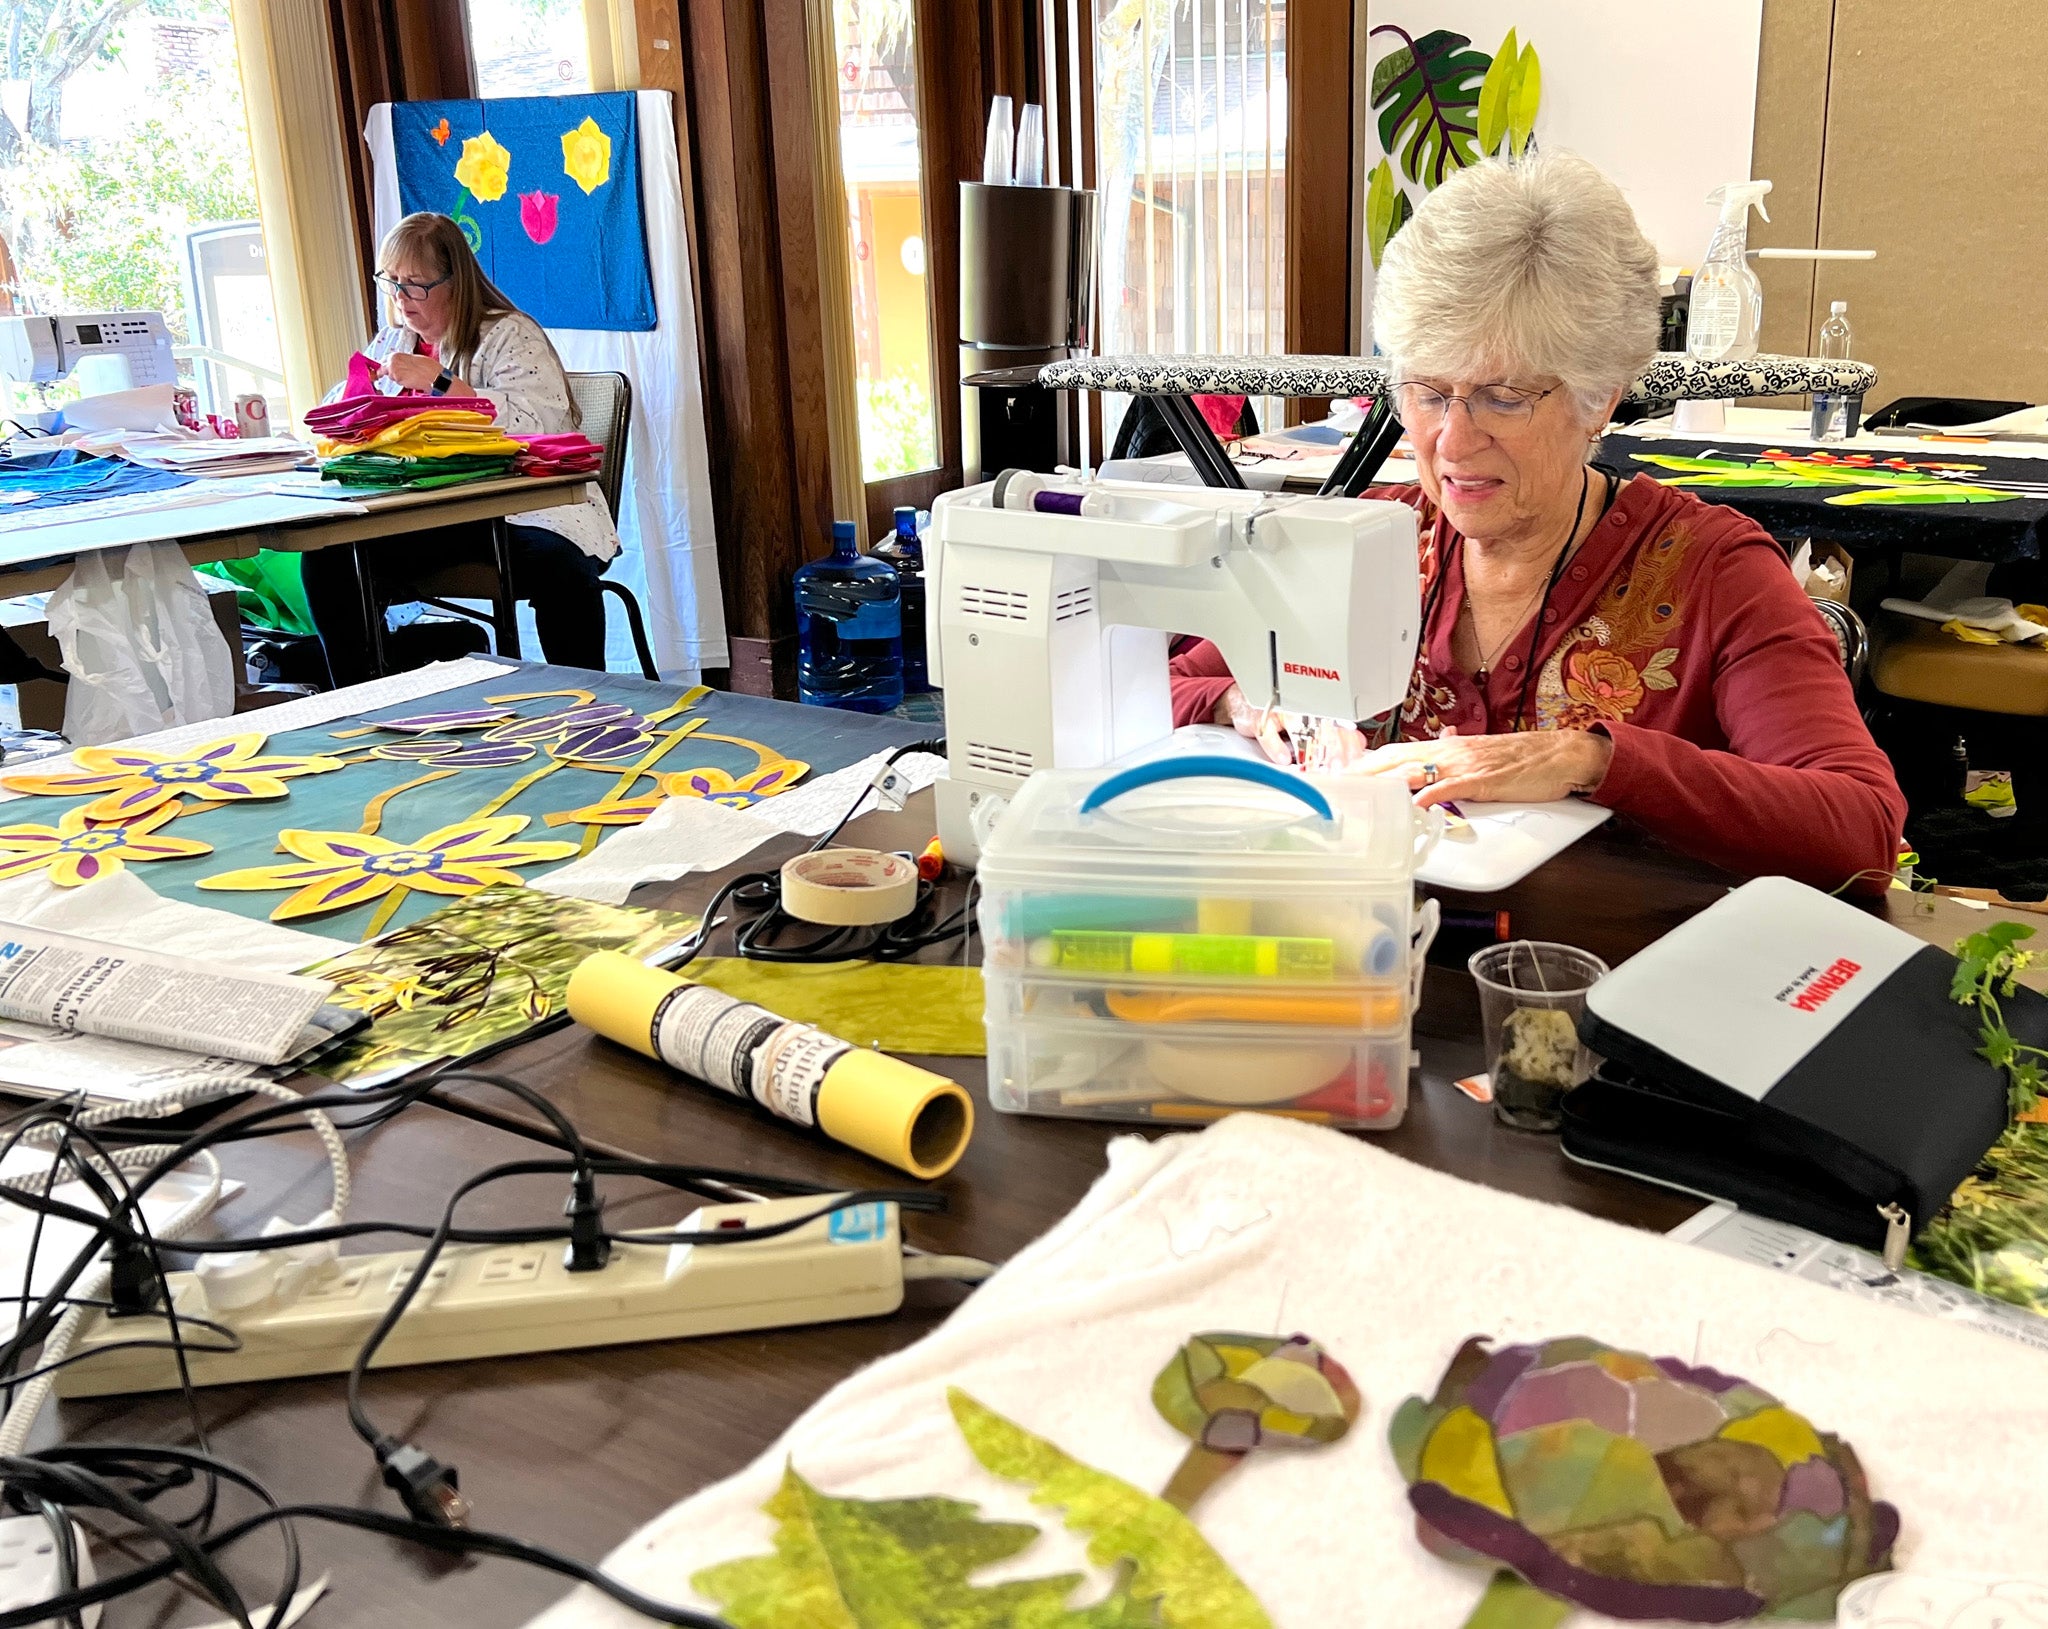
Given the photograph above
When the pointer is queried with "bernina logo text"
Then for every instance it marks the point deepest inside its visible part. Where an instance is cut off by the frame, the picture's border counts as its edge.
(1308, 672)
(1816, 985)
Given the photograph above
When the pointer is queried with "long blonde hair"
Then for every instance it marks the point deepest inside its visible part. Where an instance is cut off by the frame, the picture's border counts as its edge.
(430, 242)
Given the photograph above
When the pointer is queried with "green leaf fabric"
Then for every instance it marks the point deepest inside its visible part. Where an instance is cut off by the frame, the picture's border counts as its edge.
(897, 1006)
(1171, 1561)
(885, 1564)
(270, 590)
(1427, 91)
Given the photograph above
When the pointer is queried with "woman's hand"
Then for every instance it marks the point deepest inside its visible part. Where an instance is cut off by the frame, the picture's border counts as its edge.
(412, 371)
(1537, 766)
(1260, 724)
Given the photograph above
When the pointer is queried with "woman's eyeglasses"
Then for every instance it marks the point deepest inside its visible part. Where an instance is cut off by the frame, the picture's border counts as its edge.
(1493, 409)
(404, 289)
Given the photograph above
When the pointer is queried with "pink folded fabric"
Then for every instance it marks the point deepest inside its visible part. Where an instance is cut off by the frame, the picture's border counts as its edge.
(357, 417)
(568, 453)
(362, 376)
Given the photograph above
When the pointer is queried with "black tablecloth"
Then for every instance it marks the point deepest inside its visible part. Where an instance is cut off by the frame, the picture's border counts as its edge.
(1956, 504)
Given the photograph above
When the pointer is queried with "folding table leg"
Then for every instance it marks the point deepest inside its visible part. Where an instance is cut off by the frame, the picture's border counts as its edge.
(1361, 461)
(372, 612)
(1198, 441)
(504, 603)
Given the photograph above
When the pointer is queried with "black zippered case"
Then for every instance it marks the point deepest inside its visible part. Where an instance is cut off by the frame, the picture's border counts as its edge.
(1798, 1057)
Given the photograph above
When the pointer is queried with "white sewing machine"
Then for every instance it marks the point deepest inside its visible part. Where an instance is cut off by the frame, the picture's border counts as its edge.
(105, 350)
(1050, 600)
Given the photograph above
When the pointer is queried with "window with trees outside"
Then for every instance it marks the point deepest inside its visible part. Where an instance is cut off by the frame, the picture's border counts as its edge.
(1191, 154)
(529, 47)
(126, 184)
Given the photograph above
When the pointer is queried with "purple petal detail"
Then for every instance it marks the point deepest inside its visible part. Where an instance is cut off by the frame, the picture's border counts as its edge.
(1884, 1529)
(609, 741)
(1485, 1393)
(352, 851)
(88, 865)
(352, 885)
(1812, 1485)
(1706, 1379)
(1510, 1543)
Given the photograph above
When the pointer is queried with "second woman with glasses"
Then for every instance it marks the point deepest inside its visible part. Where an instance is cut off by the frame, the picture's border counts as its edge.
(453, 333)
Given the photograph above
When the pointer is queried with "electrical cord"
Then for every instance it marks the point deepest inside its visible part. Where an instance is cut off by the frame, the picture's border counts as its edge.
(90, 1475)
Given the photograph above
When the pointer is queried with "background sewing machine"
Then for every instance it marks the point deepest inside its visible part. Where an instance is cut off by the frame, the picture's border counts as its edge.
(101, 351)
(1051, 601)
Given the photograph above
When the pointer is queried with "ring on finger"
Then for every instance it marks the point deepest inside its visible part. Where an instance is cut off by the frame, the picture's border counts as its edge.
(1430, 775)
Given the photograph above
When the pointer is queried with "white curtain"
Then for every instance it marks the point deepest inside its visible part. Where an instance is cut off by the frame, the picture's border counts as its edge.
(670, 556)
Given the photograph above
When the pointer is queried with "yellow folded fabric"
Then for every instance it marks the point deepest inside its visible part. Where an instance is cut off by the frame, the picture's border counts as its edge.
(897, 1006)
(431, 433)
(1969, 635)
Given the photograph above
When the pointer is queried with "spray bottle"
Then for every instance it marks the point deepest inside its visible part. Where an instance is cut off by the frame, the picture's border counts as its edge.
(1727, 300)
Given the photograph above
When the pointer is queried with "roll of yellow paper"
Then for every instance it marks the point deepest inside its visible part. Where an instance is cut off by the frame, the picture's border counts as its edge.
(906, 1116)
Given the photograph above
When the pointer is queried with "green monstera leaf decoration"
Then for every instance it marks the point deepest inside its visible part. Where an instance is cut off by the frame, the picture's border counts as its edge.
(1427, 95)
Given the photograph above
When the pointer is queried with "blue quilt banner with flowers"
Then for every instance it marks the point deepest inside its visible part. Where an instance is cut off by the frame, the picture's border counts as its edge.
(547, 191)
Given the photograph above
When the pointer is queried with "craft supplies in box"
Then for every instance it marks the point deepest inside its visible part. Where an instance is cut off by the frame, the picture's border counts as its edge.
(1200, 934)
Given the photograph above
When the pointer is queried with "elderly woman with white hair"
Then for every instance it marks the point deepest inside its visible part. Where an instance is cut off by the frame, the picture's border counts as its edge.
(1583, 635)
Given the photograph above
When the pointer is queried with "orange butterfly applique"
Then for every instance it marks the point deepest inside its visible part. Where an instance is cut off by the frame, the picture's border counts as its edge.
(440, 134)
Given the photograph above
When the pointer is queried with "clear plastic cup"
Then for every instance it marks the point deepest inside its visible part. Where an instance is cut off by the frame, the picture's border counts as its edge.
(1531, 994)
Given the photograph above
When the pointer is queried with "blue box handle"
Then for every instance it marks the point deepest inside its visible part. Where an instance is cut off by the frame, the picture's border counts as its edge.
(1203, 767)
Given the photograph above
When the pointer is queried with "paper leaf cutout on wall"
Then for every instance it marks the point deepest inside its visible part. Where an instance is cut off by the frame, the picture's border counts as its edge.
(1171, 1562)
(1582, 1475)
(1427, 93)
(867, 1563)
(1494, 94)
(1524, 99)
(1386, 210)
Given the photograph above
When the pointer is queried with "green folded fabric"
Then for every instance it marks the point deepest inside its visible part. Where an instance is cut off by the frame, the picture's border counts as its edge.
(391, 471)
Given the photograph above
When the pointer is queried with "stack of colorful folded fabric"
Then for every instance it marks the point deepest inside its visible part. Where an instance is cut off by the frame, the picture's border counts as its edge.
(410, 441)
(571, 453)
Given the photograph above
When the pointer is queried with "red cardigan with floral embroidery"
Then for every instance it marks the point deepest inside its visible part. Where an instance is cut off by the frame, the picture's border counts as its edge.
(1679, 633)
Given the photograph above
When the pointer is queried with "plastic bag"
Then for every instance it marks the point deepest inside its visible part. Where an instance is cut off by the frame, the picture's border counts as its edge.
(140, 644)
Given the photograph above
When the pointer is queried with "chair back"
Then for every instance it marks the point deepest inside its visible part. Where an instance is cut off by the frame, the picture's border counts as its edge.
(1852, 639)
(604, 401)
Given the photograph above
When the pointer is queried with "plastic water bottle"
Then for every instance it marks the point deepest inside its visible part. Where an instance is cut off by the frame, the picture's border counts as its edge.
(849, 629)
(902, 550)
(1831, 411)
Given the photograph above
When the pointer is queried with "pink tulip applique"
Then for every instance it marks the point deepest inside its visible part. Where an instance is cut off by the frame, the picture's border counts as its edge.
(537, 214)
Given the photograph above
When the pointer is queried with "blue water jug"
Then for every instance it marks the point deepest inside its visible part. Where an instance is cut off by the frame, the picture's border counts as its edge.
(849, 630)
(902, 550)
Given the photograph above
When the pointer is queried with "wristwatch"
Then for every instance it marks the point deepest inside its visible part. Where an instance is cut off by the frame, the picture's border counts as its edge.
(441, 384)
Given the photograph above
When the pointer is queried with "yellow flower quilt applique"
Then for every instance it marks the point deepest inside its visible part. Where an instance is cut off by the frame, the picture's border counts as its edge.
(340, 870)
(587, 156)
(76, 850)
(484, 168)
(134, 782)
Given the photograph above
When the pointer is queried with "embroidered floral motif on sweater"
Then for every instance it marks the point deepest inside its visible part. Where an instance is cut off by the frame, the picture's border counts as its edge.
(1624, 648)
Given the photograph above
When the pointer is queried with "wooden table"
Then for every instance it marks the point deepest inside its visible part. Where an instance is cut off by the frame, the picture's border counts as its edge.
(577, 1449)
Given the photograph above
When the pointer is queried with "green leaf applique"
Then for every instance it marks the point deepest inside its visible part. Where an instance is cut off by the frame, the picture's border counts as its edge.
(891, 1564)
(1495, 93)
(1427, 93)
(1523, 99)
(1386, 210)
(1170, 1560)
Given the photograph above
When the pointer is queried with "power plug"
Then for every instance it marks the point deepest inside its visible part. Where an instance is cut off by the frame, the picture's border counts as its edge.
(30, 1570)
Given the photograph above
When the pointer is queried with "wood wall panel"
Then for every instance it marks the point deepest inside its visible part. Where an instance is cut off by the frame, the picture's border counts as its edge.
(1321, 282)
(1787, 144)
(1936, 152)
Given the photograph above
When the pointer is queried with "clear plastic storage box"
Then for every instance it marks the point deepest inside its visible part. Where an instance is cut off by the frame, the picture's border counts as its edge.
(1201, 934)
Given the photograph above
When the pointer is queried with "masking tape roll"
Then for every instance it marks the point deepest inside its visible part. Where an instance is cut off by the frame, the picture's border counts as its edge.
(900, 1114)
(849, 887)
